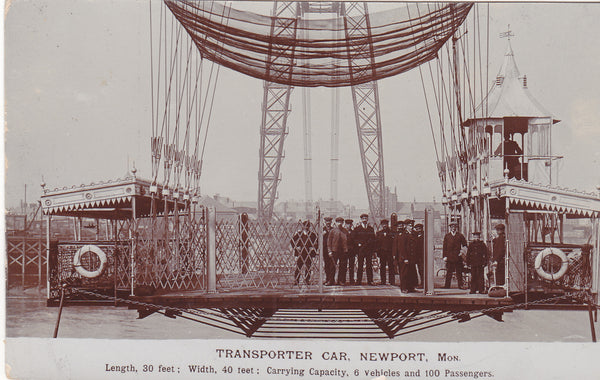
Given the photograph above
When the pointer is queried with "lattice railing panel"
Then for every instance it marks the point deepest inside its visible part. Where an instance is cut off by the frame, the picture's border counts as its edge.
(261, 254)
(170, 253)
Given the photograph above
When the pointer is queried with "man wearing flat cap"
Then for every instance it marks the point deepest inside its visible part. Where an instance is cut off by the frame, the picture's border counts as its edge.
(364, 237)
(453, 242)
(305, 244)
(477, 259)
(384, 251)
(499, 253)
(350, 259)
(337, 245)
(328, 259)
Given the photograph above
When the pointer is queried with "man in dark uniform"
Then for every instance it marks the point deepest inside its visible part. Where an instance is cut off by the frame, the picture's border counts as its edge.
(305, 244)
(453, 242)
(499, 254)
(328, 259)
(420, 251)
(477, 259)
(512, 151)
(407, 258)
(364, 236)
(337, 245)
(398, 247)
(384, 251)
(351, 256)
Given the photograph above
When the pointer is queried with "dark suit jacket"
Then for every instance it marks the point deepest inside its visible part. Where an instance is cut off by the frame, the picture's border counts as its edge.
(452, 245)
(477, 254)
(337, 241)
(499, 248)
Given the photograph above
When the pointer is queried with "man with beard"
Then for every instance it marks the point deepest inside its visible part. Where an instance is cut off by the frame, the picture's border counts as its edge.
(364, 236)
(420, 252)
(305, 245)
(337, 245)
(328, 259)
(453, 242)
(384, 251)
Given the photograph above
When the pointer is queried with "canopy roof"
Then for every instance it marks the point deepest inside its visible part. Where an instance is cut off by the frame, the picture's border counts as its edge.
(510, 96)
(340, 51)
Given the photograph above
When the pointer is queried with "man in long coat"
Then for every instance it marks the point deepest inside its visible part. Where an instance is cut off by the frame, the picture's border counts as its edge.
(453, 242)
(328, 259)
(407, 260)
(420, 251)
(384, 251)
(337, 245)
(477, 259)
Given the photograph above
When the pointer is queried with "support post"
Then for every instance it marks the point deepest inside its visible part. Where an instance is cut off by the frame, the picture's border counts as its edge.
(48, 220)
(211, 264)
(319, 231)
(60, 309)
(24, 257)
(40, 249)
(592, 327)
(428, 286)
(133, 235)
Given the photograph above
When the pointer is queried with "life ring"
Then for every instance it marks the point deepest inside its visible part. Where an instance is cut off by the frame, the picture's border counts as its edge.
(547, 252)
(77, 261)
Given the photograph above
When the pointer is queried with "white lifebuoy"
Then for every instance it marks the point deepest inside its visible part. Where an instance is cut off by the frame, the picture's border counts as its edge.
(547, 252)
(77, 261)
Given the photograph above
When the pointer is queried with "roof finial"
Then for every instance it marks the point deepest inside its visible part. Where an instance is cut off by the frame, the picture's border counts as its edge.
(508, 34)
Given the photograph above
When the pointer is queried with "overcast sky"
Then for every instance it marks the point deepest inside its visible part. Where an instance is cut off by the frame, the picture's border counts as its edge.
(77, 93)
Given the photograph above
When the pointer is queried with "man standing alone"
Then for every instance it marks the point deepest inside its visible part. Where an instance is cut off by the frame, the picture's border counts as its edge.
(477, 259)
(453, 242)
(364, 235)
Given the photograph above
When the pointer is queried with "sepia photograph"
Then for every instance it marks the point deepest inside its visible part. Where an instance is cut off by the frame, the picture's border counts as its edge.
(197, 189)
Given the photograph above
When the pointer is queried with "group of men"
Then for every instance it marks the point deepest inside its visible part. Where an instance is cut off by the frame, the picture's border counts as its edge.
(348, 251)
(476, 257)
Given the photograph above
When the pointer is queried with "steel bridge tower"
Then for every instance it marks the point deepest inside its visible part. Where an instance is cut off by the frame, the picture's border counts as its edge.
(276, 101)
(366, 105)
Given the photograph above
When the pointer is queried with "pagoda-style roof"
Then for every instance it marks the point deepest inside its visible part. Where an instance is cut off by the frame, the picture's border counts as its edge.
(510, 96)
(113, 199)
(531, 196)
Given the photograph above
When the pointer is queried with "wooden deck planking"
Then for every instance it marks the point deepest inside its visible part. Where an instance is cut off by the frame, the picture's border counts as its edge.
(352, 297)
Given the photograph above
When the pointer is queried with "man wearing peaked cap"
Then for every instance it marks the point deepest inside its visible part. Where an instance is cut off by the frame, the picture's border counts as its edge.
(328, 259)
(384, 251)
(477, 259)
(350, 259)
(339, 219)
(453, 242)
(364, 239)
